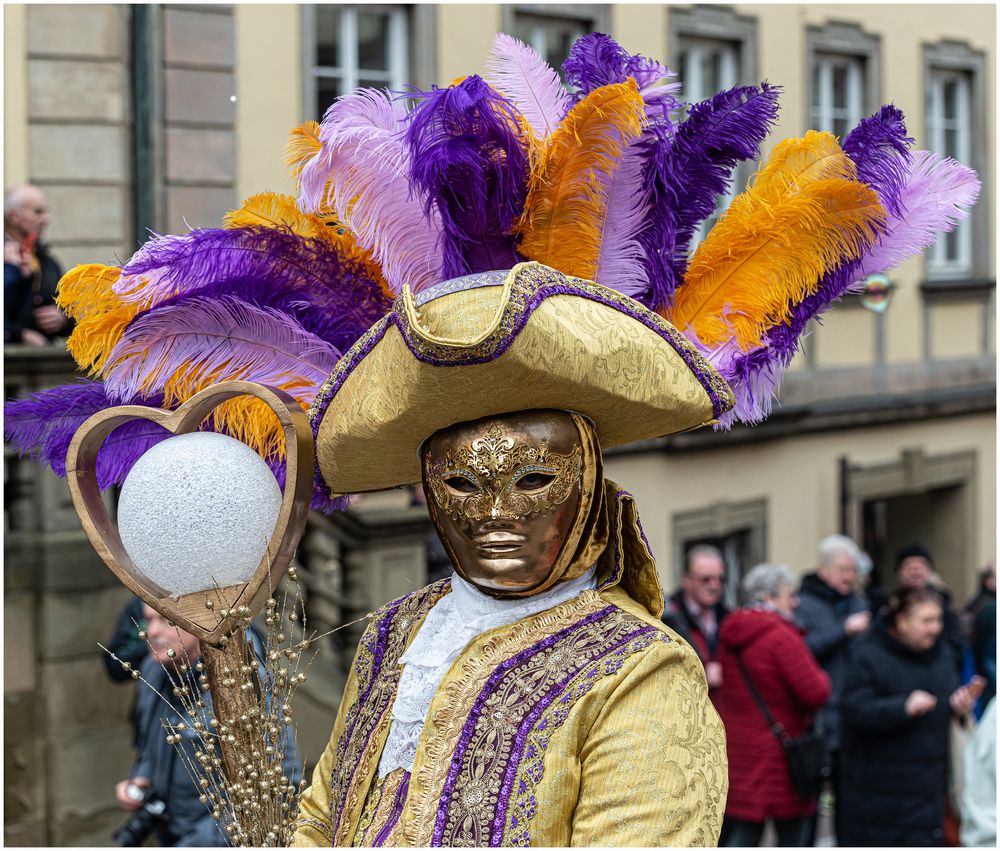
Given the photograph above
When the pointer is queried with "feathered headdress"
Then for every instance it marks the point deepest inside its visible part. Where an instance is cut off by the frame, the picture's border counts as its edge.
(600, 180)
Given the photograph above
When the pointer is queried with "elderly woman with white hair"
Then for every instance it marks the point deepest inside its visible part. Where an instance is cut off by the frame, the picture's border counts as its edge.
(761, 649)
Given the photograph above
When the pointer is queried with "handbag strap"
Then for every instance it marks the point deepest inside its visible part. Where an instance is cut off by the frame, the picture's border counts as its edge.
(776, 728)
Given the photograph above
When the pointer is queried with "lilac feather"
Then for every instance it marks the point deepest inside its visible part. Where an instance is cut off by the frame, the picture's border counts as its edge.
(620, 264)
(329, 295)
(365, 160)
(597, 60)
(223, 339)
(528, 82)
(469, 163)
(718, 133)
(879, 147)
(42, 426)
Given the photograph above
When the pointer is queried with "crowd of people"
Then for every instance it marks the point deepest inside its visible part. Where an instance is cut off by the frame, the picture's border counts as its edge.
(890, 681)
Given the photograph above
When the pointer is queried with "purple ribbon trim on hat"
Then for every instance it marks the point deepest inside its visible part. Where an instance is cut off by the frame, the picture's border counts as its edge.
(689, 355)
(477, 708)
(520, 740)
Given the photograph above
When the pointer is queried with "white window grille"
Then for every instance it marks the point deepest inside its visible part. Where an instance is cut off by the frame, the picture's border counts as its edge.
(707, 67)
(837, 93)
(351, 46)
(949, 126)
(551, 36)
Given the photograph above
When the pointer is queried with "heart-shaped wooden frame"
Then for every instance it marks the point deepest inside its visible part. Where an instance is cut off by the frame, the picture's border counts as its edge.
(189, 611)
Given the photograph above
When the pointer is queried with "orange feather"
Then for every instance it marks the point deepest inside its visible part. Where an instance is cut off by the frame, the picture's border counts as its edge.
(801, 217)
(87, 289)
(566, 202)
(303, 144)
(273, 210)
(94, 337)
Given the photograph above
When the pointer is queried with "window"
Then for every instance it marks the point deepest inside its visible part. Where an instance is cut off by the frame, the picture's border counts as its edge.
(347, 47)
(837, 93)
(551, 29)
(713, 49)
(949, 133)
(843, 64)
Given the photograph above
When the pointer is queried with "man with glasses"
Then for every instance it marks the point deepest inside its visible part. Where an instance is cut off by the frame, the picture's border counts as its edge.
(696, 609)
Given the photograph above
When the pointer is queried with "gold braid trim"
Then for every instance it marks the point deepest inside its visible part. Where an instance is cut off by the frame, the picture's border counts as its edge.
(452, 705)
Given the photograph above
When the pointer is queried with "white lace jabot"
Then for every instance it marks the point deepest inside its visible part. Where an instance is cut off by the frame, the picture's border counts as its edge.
(455, 620)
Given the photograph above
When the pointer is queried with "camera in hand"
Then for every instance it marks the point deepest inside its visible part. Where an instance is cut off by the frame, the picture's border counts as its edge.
(143, 821)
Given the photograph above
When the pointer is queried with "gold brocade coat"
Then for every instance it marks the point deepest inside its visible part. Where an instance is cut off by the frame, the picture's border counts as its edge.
(586, 724)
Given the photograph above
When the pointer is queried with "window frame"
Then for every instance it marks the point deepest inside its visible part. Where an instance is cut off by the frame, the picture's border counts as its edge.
(701, 26)
(596, 16)
(397, 75)
(954, 57)
(848, 40)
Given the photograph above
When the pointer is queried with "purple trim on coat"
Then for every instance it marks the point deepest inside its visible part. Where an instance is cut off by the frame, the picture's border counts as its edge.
(520, 740)
(470, 725)
(394, 813)
(378, 654)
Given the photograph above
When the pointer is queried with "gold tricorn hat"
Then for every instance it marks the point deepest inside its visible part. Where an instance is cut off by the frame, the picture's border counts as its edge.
(498, 342)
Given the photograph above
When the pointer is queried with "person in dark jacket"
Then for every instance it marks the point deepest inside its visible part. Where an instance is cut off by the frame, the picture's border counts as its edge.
(792, 686)
(833, 615)
(696, 611)
(30, 272)
(125, 644)
(159, 773)
(899, 695)
(915, 569)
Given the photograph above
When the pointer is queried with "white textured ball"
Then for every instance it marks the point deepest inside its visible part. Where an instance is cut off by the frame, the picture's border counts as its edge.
(197, 511)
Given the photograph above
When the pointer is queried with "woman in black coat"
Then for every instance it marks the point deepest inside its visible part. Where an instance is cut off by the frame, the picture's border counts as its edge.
(900, 693)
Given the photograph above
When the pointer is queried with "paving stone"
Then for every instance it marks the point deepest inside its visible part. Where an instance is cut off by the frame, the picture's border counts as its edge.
(78, 153)
(197, 37)
(18, 643)
(201, 155)
(78, 30)
(80, 696)
(69, 90)
(197, 206)
(89, 213)
(86, 767)
(202, 96)
(65, 634)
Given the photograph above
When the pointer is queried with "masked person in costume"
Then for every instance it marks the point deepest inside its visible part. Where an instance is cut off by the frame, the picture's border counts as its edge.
(478, 293)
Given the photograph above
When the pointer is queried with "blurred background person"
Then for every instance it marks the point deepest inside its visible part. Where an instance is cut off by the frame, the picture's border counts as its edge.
(900, 693)
(30, 272)
(696, 611)
(979, 792)
(984, 649)
(985, 594)
(915, 569)
(833, 614)
(792, 686)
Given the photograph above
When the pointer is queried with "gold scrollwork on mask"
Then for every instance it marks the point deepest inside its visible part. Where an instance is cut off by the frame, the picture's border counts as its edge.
(485, 479)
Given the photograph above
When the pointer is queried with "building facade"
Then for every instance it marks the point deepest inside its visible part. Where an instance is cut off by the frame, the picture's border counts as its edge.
(138, 118)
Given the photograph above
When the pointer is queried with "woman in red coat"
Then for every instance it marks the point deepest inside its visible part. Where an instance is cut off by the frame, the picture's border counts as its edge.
(791, 684)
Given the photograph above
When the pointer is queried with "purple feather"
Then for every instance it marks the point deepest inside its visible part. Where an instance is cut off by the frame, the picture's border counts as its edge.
(879, 147)
(469, 162)
(42, 426)
(219, 338)
(597, 60)
(331, 296)
(658, 233)
(718, 133)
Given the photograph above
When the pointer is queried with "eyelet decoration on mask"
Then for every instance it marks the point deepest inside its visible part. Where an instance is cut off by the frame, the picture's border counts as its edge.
(491, 467)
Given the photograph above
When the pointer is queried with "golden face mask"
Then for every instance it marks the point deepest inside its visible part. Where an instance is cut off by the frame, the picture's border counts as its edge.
(509, 497)
(499, 475)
